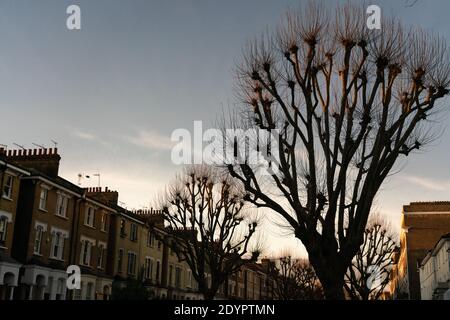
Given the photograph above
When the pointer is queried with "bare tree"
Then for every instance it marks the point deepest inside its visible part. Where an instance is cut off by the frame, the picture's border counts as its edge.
(369, 273)
(208, 226)
(348, 103)
(295, 279)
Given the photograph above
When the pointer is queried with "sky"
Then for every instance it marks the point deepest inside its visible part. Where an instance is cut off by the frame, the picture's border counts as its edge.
(111, 93)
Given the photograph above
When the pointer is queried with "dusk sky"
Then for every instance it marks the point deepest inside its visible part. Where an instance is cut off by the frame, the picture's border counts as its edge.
(112, 93)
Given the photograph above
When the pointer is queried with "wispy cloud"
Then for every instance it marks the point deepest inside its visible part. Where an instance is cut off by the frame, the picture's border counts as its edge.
(152, 140)
(84, 135)
(427, 183)
(90, 137)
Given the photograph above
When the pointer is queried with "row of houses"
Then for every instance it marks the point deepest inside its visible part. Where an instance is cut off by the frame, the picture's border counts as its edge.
(421, 265)
(48, 224)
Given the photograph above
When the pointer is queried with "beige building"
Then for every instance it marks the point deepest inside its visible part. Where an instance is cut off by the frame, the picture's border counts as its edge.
(58, 225)
(10, 185)
(435, 271)
(423, 224)
(90, 245)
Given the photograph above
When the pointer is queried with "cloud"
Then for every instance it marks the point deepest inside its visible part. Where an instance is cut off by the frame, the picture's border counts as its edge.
(427, 183)
(90, 137)
(152, 140)
(84, 135)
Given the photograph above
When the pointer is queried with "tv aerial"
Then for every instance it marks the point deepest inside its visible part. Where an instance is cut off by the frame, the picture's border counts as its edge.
(19, 146)
(38, 145)
(82, 176)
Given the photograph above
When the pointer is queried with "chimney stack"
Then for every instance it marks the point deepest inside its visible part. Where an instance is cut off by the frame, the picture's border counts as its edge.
(43, 160)
(107, 196)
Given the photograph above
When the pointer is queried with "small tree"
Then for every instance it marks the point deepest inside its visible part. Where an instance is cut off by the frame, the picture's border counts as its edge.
(208, 226)
(295, 279)
(369, 273)
(348, 103)
(134, 289)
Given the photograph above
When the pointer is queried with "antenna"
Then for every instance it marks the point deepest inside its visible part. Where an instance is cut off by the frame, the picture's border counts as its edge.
(38, 145)
(18, 145)
(54, 142)
(81, 176)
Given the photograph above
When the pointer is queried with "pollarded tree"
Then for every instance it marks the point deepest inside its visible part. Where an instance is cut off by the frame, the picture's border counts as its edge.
(209, 226)
(348, 102)
(369, 273)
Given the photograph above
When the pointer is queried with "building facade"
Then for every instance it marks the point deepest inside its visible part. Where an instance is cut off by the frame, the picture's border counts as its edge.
(435, 271)
(10, 179)
(423, 224)
(49, 225)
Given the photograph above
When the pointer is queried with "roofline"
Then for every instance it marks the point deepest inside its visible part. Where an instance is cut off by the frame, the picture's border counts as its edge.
(53, 183)
(78, 194)
(435, 249)
(16, 168)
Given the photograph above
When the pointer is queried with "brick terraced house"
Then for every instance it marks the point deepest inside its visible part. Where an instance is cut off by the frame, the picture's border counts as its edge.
(10, 179)
(47, 224)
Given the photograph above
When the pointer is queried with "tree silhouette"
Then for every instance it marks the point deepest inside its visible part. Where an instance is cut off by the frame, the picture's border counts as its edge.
(369, 273)
(295, 279)
(348, 102)
(208, 226)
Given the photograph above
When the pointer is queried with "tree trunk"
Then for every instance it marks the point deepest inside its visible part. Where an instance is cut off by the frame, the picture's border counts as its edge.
(333, 288)
(331, 274)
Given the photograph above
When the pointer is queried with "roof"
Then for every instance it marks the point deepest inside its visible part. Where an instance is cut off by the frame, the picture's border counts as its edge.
(8, 164)
(67, 185)
(427, 206)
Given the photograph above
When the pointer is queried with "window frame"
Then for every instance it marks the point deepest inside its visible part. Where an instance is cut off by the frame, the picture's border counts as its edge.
(103, 222)
(39, 231)
(4, 232)
(151, 238)
(62, 201)
(86, 253)
(89, 216)
(149, 268)
(134, 232)
(43, 200)
(9, 186)
(100, 256)
(131, 265)
(58, 235)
